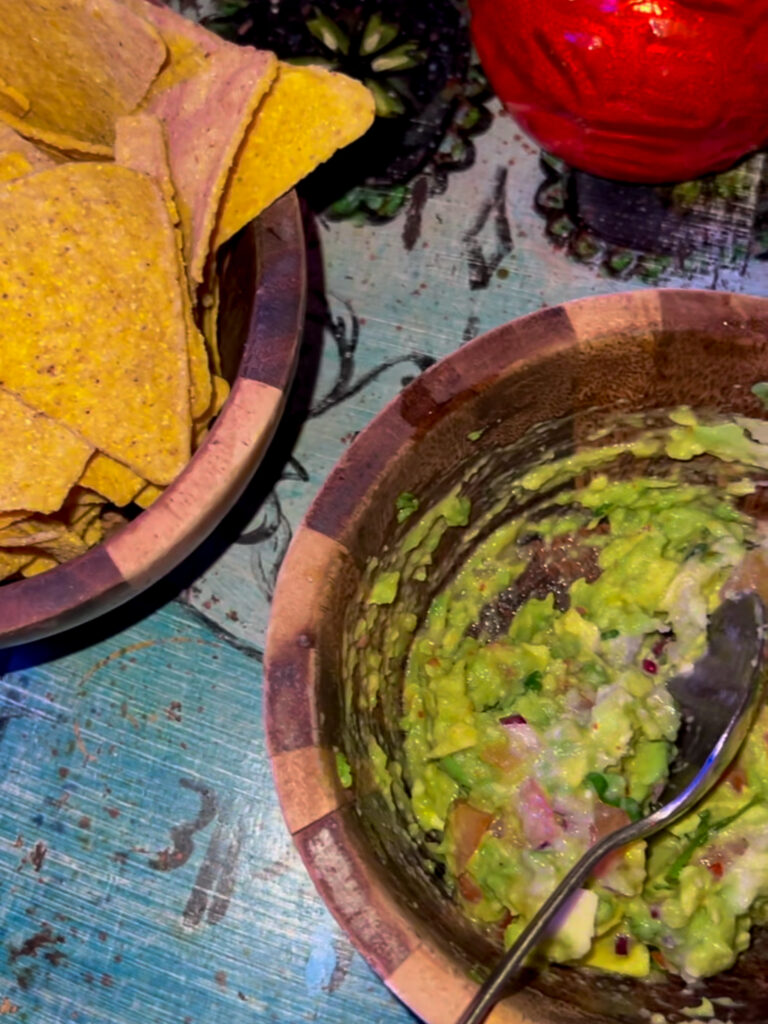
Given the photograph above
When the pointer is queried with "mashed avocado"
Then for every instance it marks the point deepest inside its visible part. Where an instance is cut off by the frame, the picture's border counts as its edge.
(536, 716)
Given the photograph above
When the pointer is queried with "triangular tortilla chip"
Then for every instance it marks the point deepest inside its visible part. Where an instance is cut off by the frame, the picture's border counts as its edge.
(140, 144)
(44, 535)
(201, 425)
(206, 118)
(208, 312)
(188, 45)
(12, 142)
(79, 64)
(14, 165)
(12, 100)
(40, 459)
(111, 479)
(306, 116)
(6, 518)
(104, 350)
(148, 496)
(40, 564)
(12, 562)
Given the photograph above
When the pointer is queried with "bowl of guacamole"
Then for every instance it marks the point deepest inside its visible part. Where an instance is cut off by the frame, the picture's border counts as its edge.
(503, 575)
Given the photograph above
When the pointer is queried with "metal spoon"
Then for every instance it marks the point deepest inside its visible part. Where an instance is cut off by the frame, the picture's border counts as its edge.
(718, 701)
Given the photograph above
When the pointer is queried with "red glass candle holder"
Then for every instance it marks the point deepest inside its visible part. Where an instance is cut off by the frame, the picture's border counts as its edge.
(636, 90)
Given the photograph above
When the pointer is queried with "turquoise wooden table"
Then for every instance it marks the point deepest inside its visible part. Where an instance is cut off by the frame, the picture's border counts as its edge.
(147, 877)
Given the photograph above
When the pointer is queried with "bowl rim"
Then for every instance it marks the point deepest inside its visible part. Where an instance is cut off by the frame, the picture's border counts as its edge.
(317, 810)
(148, 547)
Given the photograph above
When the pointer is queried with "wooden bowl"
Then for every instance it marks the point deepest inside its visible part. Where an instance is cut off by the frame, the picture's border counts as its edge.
(645, 349)
(260, 321)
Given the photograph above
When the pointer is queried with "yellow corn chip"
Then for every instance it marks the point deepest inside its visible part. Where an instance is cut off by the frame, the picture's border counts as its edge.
(46, 536)
(199, 367)
(140, 144)
(88, 525)
(210, 298)
(189, 45)
(206, 118)
(111, 479)
(91, 315)
(200, 426)
(79, 64)
(79, 499)
(12, 142)
(40, 459)
(94, 532)
(13, 165)
(12, 100)
(111, 522)
(12, 562)
(40, 564)
(306, 116)
(6, 518)
(148, 496)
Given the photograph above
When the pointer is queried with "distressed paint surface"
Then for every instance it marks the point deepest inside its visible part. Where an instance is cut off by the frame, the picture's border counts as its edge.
(145, 871)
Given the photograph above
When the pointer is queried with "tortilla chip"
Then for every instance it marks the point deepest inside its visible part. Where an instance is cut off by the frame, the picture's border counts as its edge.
(94, 532)
(148, 496)
(12, 562)
(201, 426)
(111, 479)
(306, 116)
(80, 64)
(104, 351)
(78, 499)
(40, 564)
(13, 100)
(140, 144)
(199, 368)
(188, 45)
(208, 311)
(6, 518)
(40, 459)
(12, 142)
(46, 536)
(206, 118)
(88, 525)
(14, 165)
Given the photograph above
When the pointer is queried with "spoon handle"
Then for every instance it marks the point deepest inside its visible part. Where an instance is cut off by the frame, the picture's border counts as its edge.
(495, 986)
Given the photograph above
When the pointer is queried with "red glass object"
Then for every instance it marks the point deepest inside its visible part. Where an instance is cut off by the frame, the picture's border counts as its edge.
(636, 90)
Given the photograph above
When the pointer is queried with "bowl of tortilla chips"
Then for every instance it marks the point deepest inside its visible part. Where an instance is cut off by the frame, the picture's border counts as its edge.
(151, 288)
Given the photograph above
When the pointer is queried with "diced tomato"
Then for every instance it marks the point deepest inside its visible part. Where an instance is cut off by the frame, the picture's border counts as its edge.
(608, 819)
(468, 825)
(537, 815)
(608, 863)
(717, 869)
(500, 756)
(469, 888)
(736, 777)
(658, 957)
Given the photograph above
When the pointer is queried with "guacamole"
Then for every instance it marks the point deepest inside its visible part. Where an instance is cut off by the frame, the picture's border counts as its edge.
(536, 717)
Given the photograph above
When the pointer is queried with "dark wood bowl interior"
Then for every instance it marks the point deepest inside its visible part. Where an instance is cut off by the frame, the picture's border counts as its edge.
(571, 366)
